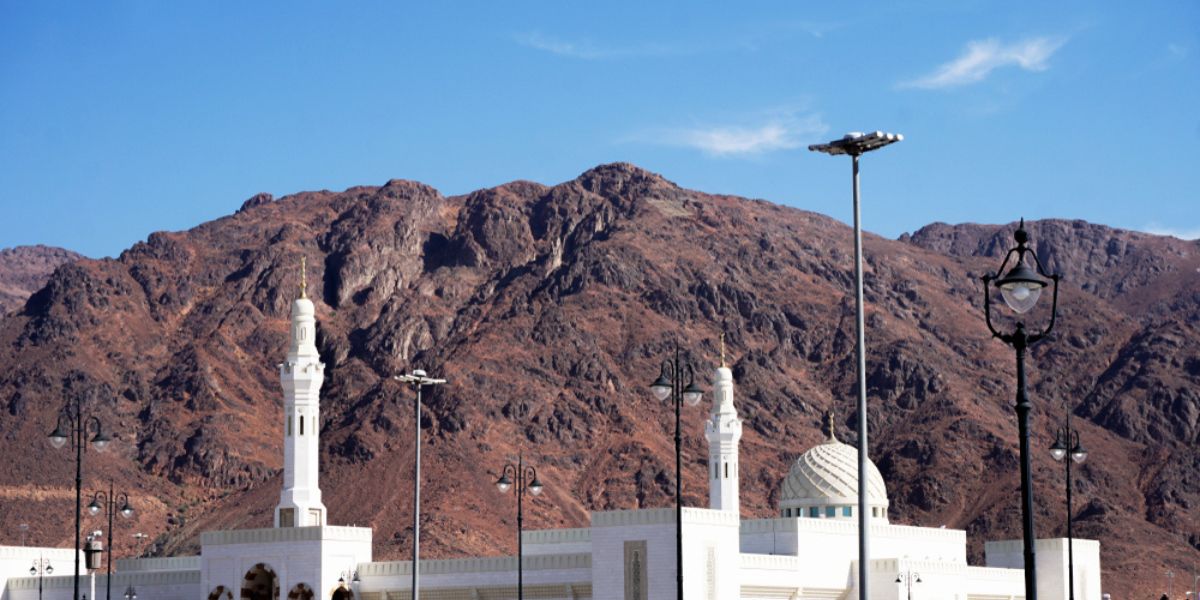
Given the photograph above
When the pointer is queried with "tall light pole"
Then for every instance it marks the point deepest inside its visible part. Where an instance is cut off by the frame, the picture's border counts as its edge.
(1021, 287)
(417, 380)
(909, 578)
(41, 567)
(525, 478)
(1170, 583)
(855, 145)
(74, 428)
(1066, 442)
(108, 503)
(670, 383)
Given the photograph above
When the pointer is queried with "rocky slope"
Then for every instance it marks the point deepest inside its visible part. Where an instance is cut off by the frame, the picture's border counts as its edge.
(25, 269)
(548, 309)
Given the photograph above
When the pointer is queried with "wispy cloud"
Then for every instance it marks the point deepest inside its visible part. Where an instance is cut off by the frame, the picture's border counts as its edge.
(588, 50)
(981, 57)
(1181, 233)
(780, 131)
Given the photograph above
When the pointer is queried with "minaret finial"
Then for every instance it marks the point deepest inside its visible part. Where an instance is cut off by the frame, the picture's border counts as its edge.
(830, 426)
(722, 348)
(303, 277)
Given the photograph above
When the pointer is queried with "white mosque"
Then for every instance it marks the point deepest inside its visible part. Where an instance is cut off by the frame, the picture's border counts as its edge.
(808, 550)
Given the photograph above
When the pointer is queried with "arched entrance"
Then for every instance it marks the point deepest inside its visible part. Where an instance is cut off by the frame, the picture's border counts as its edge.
(342, 593)
(220, 593)
(260, 583)
(301, 591)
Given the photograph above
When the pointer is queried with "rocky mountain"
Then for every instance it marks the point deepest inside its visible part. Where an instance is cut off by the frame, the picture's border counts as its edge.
(25, 269)
(548, 310)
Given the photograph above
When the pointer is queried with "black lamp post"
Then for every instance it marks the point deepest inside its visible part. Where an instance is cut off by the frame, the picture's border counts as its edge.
(108, 503)
(41, 567)
(74, 428)
(909, 578)
(1020, 287)
(130, 593)
(855, 145)
(526, 479)
(670, 382)
(418, 380)
(1066, 442)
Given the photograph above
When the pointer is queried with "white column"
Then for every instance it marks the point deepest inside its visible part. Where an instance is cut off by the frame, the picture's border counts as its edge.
(723, 430)
(301, 377)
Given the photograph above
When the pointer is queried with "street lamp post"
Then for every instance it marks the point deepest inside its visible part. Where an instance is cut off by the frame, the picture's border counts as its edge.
(417, 379)
(108, 503)
(1066, 442)
(670, 382)
(1020, 287)
(1170, 583)
(526, 479)
(74, 428)
(354, 579)
(41, 567)
(856, 144)
(908, 579)
(130, 593)
(141, 539)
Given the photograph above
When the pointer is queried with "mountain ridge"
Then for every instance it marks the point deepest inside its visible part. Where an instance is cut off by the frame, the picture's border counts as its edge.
(547, 306)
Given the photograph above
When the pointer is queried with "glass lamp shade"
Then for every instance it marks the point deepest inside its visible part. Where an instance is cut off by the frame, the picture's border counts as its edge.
(49, 570)
(1058, 450)
(1079, 454)
(126, 510)
(661, 388)
(692, 394)
(898, 579)
(101, 440)
(535, 488)
(503, 483)
(1021, 288)
(93, 508)
(32, 571)
(58, 437)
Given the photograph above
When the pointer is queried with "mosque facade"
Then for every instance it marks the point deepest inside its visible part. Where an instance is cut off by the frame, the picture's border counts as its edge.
(808, 550)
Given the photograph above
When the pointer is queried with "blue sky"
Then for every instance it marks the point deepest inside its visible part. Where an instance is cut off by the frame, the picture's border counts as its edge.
(122, 118)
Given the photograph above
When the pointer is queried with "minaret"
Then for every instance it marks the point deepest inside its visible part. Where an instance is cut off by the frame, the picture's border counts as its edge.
(723, 430)
(301, 376)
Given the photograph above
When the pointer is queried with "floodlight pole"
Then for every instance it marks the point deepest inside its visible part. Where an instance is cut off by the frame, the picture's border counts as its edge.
(855, 144)
(418, 380)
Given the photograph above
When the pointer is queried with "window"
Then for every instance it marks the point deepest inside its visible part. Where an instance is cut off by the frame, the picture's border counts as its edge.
(302, 429)
(830, 511)
(787, 512)
(875, 511)
(726, 471)
(289, 425)
(846, 511)
(814, 512)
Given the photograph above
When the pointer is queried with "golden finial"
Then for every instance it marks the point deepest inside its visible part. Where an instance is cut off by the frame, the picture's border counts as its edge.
(722, 349)
(829, 425)
(303, 277)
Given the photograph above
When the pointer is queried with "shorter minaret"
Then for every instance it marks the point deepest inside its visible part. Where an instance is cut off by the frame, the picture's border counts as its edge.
(301, 376)
(723, 430)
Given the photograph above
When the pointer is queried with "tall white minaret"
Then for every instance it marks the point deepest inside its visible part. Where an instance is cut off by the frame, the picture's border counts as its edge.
(723, 430)
(301, 376)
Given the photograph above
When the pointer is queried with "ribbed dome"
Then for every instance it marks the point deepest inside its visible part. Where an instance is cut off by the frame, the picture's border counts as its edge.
(826, 478)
